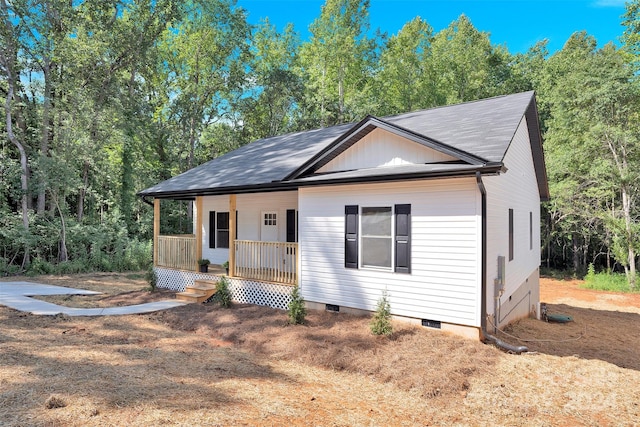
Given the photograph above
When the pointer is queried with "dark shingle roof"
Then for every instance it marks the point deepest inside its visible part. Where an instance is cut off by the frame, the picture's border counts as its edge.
(484, 129)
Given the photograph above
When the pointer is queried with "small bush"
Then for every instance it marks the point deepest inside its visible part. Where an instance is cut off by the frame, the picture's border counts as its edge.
(152, 278)
(223, 294)
(381, 322)
(38, 266)
(297, 309)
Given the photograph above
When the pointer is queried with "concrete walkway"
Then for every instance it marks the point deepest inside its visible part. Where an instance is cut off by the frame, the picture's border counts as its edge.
(17, 296)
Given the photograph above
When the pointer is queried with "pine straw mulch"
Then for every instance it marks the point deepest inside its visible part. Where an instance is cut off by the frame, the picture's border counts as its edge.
(204, 365)
(426, 363)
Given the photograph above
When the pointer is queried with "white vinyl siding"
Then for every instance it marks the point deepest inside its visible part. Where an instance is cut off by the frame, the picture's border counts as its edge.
(445, 270)
(516, 189)
(382, 148)
(250, 208)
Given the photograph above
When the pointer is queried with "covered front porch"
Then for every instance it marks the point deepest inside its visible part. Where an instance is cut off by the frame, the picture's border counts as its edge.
(271, 261)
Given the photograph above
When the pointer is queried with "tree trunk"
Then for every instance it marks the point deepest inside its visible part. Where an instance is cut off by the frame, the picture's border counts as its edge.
(83, 191)
(8, 56)
(192, 149)
(576, 256)
(62, 253)
(46, 125)
(341, 93)
(626, 209)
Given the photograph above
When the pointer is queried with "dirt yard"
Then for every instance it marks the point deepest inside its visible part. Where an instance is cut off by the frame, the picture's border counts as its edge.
(204, 365)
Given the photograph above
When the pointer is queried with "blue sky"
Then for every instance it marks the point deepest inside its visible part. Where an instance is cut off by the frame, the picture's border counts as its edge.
(518, 24)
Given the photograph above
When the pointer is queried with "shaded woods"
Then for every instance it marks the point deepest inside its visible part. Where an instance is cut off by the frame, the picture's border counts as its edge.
(102, 98)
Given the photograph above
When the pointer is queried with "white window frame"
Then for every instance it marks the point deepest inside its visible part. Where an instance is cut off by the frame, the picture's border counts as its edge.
(362, 236)
(270, 218)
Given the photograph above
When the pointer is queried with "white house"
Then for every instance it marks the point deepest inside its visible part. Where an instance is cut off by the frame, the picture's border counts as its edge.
(439, 207)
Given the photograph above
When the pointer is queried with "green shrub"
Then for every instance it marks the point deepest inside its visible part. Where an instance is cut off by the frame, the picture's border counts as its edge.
(39, 266)
(612, 282)
(297, 310)
(381, 321)
(72, 267)
(223, 294)
(152, 278)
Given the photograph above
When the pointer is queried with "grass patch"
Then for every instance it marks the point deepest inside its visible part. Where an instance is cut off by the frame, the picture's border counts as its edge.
(603, 281)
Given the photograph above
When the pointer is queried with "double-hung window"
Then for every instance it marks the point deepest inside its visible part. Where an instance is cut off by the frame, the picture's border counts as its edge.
(378, 237)
(375, 226)
(219, 229)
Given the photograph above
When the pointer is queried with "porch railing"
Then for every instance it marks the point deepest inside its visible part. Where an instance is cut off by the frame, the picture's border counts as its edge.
(269, 261)
(177, 252)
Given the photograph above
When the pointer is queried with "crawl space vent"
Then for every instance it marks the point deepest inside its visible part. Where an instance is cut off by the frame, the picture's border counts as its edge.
(334, 308)
(431, 323)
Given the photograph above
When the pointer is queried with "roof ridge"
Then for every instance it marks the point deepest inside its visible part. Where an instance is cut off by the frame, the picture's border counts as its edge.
(474, 101)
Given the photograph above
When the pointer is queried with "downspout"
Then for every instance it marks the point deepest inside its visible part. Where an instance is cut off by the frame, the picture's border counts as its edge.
(486, 336)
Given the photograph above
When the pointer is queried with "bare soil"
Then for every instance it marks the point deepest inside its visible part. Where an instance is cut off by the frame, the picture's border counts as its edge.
(204, 365)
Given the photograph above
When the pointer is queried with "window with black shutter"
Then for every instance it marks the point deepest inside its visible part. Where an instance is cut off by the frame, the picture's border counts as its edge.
(222, 230)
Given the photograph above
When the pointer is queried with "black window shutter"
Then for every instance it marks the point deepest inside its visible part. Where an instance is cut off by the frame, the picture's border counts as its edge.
(291, 225)
(403, 239)
(351, 236)
(212, 229)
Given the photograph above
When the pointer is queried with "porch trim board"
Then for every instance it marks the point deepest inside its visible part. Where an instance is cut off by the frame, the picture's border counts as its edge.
(243, 291)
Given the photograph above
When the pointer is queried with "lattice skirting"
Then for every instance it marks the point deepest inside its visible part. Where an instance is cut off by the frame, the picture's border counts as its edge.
(242, 290)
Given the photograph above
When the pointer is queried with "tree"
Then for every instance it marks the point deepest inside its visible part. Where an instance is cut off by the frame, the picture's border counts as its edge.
(406, 80)
(465, 61)
(591, 147)
(8, 64)
(337, 63)
(277, 89)
(205, 57)
(631, 35)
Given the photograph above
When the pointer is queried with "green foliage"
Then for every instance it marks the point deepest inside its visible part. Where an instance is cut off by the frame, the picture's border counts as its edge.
(179, 83)
(297, 310)
(612, 282)
(381, 321)
(591, 273)
(152, 278)
(223, 294)
(203, 261)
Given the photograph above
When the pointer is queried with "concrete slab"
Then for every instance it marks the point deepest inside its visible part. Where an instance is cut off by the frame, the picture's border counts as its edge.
(17, 295)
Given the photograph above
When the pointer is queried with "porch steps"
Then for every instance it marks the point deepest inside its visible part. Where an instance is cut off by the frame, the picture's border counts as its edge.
(200, 291)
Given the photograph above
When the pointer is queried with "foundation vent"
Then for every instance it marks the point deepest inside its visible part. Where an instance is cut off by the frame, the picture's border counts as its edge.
(431, 323)
(334, 308)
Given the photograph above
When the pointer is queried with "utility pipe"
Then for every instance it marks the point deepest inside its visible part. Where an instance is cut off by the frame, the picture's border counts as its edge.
(486, 336)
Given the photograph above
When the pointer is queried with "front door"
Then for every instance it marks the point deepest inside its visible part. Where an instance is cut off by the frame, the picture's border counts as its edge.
(269, 254)
(269, 227)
